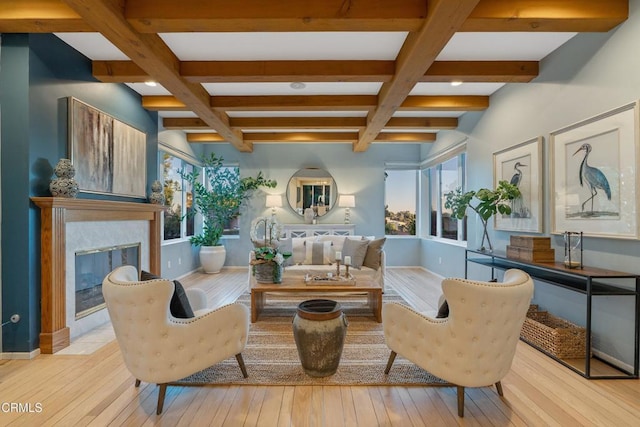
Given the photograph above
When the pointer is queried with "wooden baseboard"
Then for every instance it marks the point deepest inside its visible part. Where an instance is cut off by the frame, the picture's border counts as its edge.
(54, 341)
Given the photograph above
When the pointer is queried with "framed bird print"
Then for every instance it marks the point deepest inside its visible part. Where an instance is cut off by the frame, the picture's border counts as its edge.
(521, 165)
(594, 177)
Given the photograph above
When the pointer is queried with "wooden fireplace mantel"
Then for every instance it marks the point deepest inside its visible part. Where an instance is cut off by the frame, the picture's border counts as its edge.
(55, 213)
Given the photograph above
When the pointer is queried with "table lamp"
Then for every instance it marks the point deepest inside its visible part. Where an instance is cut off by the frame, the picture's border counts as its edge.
(274, 201)
(347, 201)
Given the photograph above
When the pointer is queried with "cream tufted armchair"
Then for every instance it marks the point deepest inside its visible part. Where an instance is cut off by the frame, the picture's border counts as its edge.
(159, 348)
(475, 345)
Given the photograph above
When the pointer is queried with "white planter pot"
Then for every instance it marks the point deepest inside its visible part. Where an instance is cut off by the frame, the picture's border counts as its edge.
(212, 258)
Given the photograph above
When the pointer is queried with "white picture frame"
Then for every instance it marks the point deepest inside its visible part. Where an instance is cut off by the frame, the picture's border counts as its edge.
(521, 165)
(594, 179)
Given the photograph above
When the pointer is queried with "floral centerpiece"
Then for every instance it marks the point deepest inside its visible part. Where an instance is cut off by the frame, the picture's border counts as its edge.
(267, 261)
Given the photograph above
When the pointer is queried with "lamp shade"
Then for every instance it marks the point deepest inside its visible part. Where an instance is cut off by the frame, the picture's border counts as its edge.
(347, 201)
(274, 201)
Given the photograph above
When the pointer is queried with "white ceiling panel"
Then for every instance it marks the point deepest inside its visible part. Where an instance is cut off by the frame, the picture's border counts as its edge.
(428, 113)
(297, 114)
(177, 114)
(146, 90)
(94, 46)
(463, 89)
(285, 46)
(296, 130)
(502, 46)
(263, 89)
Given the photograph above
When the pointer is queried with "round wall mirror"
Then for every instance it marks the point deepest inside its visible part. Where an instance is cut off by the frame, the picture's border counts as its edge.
(312, 188)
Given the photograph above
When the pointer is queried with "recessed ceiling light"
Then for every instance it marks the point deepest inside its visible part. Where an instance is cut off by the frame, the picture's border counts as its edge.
(151, 83)
(297, 85)
(456, 83)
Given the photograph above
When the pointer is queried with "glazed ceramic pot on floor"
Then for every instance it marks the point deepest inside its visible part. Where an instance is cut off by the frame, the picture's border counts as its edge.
(212, 258)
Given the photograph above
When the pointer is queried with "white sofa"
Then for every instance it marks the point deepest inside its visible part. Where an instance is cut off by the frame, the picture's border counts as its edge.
(297, 263)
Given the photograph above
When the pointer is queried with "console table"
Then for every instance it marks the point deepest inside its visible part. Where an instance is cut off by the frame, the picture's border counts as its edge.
(590, 281)
(310, 230)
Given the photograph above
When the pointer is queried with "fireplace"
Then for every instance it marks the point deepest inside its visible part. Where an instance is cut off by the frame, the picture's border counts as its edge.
(91, 268)
(69, 226)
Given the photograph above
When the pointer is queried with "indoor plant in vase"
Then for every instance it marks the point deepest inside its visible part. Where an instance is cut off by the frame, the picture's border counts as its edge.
(267, 260)
(218, 200)
(488, 203)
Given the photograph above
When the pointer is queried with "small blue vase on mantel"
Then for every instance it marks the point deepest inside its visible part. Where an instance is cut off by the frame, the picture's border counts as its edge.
(65, 184)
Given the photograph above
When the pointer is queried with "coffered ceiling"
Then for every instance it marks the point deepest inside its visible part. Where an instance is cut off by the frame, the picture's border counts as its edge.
(325, 71)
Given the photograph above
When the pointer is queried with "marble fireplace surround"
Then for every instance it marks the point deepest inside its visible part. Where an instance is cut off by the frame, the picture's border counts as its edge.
(68, 225)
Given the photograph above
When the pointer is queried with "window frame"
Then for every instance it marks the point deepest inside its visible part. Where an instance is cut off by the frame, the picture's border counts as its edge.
(185, 161)
(228, 233)
(417, 220)
(432, 171)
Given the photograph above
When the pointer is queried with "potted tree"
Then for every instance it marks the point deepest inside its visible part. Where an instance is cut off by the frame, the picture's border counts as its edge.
(218, 200)
(488, 203)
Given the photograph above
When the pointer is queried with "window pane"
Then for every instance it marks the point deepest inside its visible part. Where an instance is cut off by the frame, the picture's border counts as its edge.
(190, 220)
(400, 202)
(449, 182)
(226, 180)
(173, 196)
(433, 201)
(178, 197)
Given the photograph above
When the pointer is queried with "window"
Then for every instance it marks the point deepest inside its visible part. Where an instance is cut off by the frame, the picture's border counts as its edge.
(400, 202)
(443, 178)
(178, 197)
(226, 179)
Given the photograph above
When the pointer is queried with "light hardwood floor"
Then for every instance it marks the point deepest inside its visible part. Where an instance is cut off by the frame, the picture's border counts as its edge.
(97, 389)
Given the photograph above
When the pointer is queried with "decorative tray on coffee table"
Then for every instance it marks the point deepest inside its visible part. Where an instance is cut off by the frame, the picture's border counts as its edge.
(333, 280)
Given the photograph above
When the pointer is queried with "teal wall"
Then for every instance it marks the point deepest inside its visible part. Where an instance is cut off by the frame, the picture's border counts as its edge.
(588, 75)
(38, 73)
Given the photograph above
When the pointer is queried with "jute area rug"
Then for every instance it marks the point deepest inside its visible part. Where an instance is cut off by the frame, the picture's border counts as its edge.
(271, 356)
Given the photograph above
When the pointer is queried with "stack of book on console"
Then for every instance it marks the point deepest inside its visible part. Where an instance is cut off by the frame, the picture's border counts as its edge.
(531, 248)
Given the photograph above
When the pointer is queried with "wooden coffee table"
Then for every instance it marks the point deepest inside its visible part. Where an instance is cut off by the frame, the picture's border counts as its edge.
(369, 289)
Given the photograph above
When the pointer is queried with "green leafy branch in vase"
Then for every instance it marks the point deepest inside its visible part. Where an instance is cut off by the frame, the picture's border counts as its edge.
(220, 198)
(488, 203)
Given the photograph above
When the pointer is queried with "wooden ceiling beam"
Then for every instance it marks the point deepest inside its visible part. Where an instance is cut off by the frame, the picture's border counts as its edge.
(298, 122)
(287, 71)
(445, 103)
(482, 71)
(313, 137)
(163, 103)
(205, 137)
(150, 53)
(40, 16)
(395, 123)
(418, 53)
(431, 123)
(157, 16)
(165, 16)
(411, 137)
(279, 137)
(179, 123)
(302, 137)
(119, 72)
(322, 103)
(321, 71)
(547, 15)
